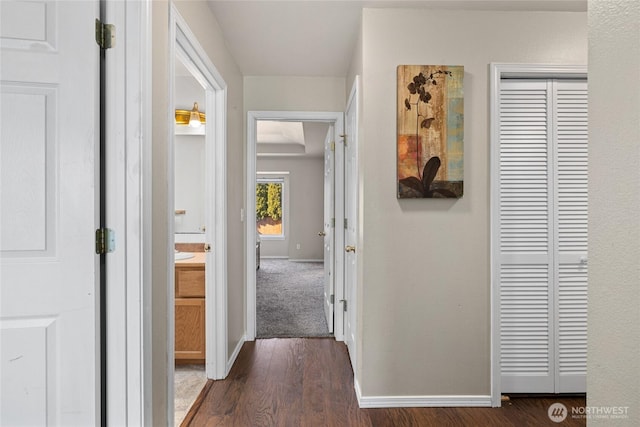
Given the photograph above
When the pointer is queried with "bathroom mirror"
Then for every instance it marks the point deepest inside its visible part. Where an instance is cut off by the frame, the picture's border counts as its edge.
(189, 156)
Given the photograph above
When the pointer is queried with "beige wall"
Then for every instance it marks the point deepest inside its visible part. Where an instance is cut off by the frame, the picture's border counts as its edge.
(425, 285)
(355, 68)
(286, 93)
(306, 207)
(613, 377)
(160, 192)
(205, 27)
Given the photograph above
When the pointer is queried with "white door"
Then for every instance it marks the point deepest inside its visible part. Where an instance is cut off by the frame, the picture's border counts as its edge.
(328, 229)
(48, 205)
(542, 236)
(351, 222)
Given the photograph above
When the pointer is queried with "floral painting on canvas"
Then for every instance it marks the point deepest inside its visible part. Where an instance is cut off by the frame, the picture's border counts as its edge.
(430, 142)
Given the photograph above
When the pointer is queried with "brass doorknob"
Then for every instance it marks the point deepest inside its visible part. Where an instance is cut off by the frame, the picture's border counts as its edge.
(350, 248)
(207, 247)
(322, 234)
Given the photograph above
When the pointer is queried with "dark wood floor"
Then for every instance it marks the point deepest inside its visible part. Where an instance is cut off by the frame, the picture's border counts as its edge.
(309, 382)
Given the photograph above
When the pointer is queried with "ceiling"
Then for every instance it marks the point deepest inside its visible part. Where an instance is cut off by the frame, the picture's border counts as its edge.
(285, 139)
(317, 38)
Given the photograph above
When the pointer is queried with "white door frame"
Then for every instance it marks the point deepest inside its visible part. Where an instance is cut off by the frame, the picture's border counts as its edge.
(128, 212)
(497, 72)
(337, 118)
(183, 43)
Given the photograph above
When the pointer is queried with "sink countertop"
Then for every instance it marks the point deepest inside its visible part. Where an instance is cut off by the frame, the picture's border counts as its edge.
(198, 260)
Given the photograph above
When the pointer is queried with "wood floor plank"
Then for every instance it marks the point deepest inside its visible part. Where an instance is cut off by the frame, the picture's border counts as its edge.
(309, 383)
(196, 404)
(314, 389)
(254, 405)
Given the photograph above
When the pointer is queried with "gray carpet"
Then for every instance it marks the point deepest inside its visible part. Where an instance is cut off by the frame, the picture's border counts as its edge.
(290, 299)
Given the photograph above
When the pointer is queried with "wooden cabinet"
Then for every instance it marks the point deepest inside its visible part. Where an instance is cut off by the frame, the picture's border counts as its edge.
(189, 313)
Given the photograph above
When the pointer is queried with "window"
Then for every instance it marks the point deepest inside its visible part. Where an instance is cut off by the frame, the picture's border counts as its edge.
(270, 208)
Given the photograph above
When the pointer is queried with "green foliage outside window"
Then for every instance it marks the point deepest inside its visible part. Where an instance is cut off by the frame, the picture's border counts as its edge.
(261, 201)
(269, 200)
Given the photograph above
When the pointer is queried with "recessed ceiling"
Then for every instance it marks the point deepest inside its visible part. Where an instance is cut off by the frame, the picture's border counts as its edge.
(317, 38)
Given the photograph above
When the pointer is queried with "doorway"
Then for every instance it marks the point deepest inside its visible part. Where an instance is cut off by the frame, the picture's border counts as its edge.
(335, 123)
(290, 211)
(197, 272)
(190, 239)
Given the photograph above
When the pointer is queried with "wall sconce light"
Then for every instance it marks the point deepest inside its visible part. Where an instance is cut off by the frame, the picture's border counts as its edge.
(193, 117)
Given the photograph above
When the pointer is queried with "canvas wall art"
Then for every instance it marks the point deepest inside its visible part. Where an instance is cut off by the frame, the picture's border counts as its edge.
(430, 141)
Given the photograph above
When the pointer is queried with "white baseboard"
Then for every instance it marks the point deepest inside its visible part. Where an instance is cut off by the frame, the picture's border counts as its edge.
(273, 257)
(235, 353)
(356, 385)
(306, 260)
(421, 401)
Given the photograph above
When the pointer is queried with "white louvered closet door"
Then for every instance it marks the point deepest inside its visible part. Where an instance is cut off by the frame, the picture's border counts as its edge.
(571, 225)
(542, 235)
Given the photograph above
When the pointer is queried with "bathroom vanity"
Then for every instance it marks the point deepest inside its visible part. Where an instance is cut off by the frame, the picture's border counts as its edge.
(190, 309)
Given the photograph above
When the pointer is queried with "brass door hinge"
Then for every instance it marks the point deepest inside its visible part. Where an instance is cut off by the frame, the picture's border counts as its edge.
(105, 35)
(105, 241)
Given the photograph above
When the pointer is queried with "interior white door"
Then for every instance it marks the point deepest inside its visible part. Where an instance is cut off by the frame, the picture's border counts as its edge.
(49, 340)
(328, 228)
(351, 223)
(542, 236)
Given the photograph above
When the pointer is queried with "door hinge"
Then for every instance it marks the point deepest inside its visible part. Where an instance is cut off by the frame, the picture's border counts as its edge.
(333, 146)
(344, 304)
(346, 222)
(332, 299)
(105, 241)
(105, 35)
(333, 223)
(344, 138)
